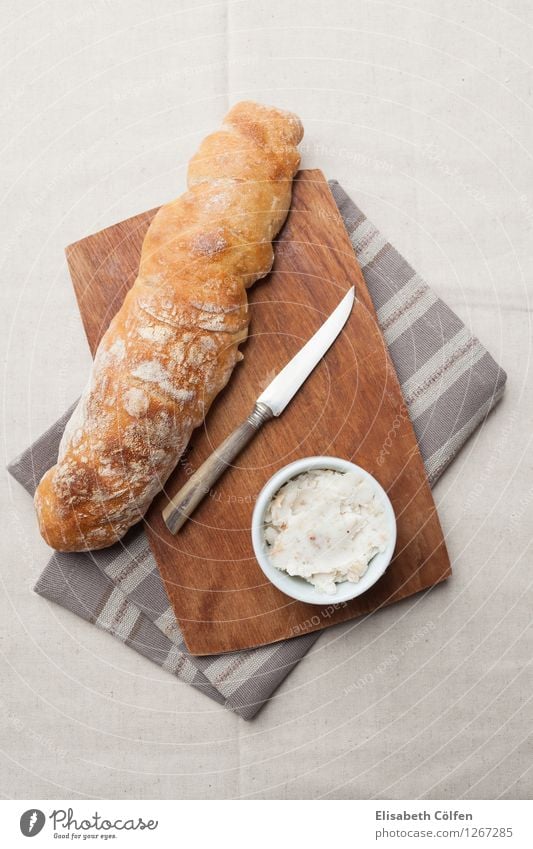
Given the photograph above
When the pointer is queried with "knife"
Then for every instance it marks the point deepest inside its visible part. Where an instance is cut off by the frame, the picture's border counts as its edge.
(270, 403)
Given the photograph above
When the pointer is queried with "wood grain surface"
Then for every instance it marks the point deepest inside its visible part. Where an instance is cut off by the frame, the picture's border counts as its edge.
(349, 407)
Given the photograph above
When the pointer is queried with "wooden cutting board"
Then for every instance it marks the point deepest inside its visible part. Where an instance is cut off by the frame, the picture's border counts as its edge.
(348, 408)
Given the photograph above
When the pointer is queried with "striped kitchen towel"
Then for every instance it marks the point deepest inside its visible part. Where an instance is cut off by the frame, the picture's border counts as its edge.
(450, 383)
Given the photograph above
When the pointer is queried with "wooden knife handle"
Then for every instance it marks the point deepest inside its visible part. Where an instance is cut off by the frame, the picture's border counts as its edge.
(189, 496)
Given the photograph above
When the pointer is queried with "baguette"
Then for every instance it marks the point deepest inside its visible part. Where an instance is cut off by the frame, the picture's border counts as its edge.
(173, 344)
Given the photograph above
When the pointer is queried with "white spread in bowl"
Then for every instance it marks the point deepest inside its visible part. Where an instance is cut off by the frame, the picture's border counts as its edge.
(325, 526)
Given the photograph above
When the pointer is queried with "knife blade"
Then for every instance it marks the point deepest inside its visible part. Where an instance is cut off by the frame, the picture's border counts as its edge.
(287, 383)
(269, 404)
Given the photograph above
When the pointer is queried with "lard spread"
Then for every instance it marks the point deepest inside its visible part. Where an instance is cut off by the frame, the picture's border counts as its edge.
(326, 527)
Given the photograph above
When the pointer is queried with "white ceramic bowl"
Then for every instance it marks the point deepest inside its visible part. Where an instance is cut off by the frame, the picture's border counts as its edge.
(297, 587)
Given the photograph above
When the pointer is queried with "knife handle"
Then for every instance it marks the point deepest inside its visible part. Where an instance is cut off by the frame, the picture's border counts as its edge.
(181, 506)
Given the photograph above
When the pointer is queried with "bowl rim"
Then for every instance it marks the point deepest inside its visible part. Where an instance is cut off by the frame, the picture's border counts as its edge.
(294, 586)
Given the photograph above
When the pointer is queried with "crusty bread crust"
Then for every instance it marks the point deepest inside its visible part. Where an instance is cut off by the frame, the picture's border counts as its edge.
(173, 344)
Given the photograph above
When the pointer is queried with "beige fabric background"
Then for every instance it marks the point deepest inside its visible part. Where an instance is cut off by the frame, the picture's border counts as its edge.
(423, 111)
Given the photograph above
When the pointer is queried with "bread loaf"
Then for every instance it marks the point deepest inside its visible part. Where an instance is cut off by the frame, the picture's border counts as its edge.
(173, 344)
